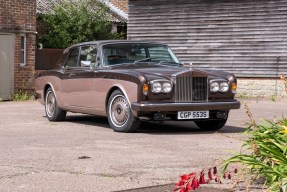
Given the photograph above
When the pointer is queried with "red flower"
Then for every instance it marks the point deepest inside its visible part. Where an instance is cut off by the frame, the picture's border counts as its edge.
(224, 176)
(235, 170)
(186, 183)
(185, 177)
(180, 183)
(229, 176)
(214, 170)
(195, 183)
(209, 174)
(189, 186)
(182, 189)
(201, 178)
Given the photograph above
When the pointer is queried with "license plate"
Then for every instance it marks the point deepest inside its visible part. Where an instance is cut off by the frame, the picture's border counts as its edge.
(192, 114)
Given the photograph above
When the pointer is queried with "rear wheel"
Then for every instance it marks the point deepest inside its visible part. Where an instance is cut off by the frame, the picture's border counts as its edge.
(211, 125)
(53, 112)
(120, 115)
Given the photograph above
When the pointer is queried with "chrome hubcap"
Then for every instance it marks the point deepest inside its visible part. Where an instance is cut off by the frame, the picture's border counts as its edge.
(119, 111)
(50, 104)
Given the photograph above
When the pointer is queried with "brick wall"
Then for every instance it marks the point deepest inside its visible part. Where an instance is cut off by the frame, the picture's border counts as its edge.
(252, 87)
(19, 17)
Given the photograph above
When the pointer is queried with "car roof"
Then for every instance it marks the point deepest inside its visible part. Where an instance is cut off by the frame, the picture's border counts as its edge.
(103, 42)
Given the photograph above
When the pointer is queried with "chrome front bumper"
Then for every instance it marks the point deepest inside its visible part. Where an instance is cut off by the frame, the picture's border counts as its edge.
(196, 106)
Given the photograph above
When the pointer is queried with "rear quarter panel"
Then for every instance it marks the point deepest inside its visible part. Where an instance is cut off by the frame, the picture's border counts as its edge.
(54, 82)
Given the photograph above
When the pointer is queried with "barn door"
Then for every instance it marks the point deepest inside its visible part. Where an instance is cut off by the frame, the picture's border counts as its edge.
(7, 47)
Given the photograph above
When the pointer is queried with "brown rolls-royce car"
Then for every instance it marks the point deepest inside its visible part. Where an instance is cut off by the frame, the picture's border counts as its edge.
(134, 81)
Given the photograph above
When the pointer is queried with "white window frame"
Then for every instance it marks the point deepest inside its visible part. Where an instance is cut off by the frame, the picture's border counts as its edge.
(23, 51)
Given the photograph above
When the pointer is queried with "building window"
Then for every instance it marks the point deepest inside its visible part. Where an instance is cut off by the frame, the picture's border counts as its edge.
(23, 50)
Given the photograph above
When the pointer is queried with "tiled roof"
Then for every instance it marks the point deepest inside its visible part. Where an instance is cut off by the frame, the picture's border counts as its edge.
(118, 7)
(121, 4)
(44, 6)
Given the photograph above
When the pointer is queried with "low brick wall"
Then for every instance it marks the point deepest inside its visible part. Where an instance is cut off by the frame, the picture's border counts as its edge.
(260, 88)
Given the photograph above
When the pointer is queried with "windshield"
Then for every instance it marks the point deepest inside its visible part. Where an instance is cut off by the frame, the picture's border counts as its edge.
(137, 52)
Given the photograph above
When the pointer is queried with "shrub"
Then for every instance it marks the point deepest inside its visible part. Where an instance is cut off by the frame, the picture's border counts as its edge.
(21, 96)
(72, 22)
(263, 156)
(266, 154)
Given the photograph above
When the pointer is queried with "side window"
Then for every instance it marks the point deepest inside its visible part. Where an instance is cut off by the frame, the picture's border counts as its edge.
(72, 60)
(23, 50)
(88, 56)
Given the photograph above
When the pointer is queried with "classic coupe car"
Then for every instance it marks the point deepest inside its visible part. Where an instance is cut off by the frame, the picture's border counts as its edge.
(134, 81)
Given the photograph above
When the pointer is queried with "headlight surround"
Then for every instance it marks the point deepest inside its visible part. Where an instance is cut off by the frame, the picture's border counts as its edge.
(156, 87)
(161, 86)
(224, 87)
(166, 87)
(214, 87)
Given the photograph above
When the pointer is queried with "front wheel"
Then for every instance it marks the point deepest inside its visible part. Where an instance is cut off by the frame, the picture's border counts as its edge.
(211, 125)
(120, 116)
(53, 112)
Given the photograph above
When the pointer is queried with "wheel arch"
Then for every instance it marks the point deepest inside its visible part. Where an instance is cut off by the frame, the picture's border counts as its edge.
(112, 89)
(46, 87)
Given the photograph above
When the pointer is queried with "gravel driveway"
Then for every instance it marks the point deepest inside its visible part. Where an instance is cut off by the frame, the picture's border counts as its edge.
(84, 154)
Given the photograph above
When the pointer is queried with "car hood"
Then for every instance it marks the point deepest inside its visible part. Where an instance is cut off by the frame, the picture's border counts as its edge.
(160, 71)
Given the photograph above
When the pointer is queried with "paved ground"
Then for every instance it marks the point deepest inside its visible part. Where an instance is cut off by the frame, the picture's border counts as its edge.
(37, 155)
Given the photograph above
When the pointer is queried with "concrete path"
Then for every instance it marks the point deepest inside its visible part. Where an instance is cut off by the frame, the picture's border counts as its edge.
(38, 155)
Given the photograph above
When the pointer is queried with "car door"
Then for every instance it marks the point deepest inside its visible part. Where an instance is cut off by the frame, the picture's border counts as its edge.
(79, 78)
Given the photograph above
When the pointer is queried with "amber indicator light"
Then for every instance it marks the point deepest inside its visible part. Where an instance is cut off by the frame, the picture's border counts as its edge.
(145, 89)
(234, 87)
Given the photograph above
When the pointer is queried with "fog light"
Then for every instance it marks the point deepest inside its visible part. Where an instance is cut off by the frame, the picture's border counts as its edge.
(159, 116)
(221, 114)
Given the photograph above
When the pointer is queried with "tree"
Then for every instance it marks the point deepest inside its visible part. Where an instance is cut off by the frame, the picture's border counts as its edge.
(77, 21)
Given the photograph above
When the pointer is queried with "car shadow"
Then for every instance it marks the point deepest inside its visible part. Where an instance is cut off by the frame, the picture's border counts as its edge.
(88, 120)
(155, 128)
(175, 127)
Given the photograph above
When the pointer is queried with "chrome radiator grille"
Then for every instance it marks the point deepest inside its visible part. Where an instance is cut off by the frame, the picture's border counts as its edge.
(191, 89)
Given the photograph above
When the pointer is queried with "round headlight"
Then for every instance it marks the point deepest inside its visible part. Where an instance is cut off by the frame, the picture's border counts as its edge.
(224, 87)
(166, 87)
(156, 87)
(214, 87)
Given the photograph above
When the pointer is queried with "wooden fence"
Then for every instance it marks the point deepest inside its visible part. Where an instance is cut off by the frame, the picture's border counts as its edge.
(47, 58)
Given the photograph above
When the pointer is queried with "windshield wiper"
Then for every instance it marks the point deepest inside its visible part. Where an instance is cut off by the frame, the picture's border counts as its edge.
(142, 60)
